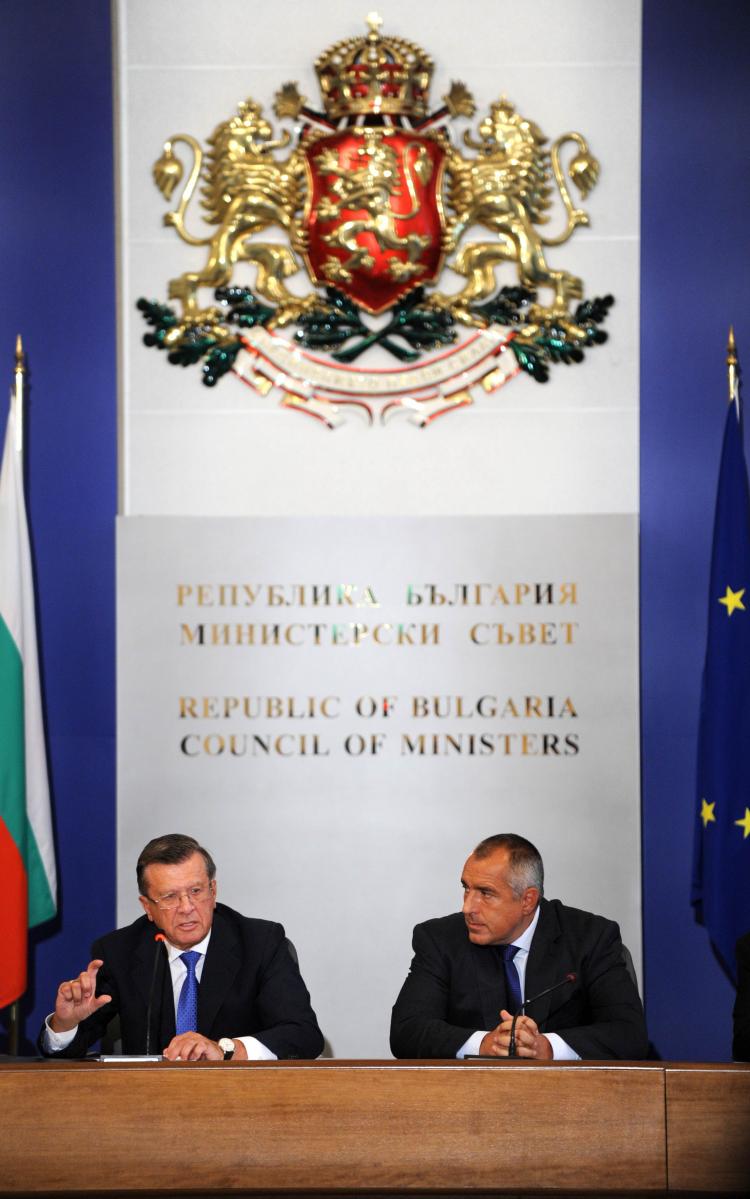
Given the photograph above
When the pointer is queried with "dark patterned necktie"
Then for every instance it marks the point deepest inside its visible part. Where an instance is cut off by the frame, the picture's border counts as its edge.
(512, 980)
(187, 1004)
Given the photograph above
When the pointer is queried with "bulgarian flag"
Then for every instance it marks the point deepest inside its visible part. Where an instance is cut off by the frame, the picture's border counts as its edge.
(28, 890)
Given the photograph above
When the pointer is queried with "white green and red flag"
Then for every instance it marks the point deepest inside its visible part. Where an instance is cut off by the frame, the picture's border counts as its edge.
(28, 891)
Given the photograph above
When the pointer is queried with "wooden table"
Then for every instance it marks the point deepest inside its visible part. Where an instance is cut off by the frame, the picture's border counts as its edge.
(338, 1127)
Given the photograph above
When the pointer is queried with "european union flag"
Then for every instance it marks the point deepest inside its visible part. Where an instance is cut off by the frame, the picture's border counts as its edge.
(721, 864)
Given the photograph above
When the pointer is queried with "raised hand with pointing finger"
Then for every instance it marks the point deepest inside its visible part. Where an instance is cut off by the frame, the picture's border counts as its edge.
(77, 999)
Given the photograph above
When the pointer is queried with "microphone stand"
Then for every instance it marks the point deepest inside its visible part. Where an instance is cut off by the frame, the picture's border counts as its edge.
(512, 1041)
(569, 978)
(160, 940)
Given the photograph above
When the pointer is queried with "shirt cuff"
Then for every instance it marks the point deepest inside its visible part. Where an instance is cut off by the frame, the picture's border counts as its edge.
(561, 1051)
(256, 1050)
(473, 1045)
(55, 1041)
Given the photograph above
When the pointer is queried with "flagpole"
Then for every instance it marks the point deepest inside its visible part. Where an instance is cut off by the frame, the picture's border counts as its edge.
(14, 1011)
(18, 399)
(30, 881)
(14, 1027)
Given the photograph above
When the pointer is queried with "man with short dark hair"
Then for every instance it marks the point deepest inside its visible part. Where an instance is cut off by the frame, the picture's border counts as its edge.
(191, 978)
(472, 970)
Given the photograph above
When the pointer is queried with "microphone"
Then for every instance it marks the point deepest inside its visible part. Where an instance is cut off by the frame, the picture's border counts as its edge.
(569, 978)
(160, 939)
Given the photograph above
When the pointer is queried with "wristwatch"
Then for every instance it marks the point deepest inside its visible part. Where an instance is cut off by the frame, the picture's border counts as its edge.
(227, 1047)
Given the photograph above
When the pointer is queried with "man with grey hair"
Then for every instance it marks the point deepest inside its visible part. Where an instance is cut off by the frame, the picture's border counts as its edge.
(191, 979)
(475, 972)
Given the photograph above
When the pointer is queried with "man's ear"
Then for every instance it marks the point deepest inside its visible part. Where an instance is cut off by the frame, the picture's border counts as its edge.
(146, 907)
(530, 900)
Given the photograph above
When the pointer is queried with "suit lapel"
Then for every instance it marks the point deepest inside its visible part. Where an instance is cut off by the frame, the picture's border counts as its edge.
(223, 960)
(162, 1004)
(144, 959)
(167, 1023)
(489, 976)
(547, 965)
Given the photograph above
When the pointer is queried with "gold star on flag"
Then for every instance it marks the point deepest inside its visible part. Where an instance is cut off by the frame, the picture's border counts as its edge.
(732, 600)
(707, 812)
(745, 823)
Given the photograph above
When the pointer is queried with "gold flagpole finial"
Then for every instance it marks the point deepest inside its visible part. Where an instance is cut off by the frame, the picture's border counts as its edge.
(20, 373)
(732, 366)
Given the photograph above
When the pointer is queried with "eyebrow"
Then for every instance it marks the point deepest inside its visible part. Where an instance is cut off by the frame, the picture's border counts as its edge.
(189, 887)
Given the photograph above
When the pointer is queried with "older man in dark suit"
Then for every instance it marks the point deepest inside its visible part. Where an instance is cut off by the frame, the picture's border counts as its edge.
(471, 971)
(191, 978)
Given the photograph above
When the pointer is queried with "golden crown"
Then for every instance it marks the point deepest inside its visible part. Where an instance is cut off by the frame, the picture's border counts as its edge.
(374, 74)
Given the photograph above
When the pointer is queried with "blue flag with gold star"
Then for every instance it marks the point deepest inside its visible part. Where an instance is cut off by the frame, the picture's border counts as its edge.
(721, 863)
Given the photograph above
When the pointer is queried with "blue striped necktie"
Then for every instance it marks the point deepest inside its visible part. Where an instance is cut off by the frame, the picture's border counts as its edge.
(512, 980)
(187, 1004)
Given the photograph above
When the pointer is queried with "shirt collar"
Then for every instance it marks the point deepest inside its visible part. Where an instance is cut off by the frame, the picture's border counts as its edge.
(523, 942)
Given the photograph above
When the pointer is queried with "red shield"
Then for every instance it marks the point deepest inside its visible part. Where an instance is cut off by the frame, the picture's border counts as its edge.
(373, 217)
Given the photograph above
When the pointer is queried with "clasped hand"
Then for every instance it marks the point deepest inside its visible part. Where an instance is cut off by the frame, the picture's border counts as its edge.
(530, 1042)
(194, 1047)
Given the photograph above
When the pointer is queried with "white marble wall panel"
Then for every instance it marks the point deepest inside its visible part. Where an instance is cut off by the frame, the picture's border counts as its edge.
(566, 447)
(274, 462)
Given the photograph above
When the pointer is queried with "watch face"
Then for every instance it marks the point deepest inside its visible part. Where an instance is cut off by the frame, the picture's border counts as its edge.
(226, 1046)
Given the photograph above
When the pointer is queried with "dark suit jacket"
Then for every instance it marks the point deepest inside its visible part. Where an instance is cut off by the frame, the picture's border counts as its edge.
(741, 1042)
(455, 988)
(250, 986)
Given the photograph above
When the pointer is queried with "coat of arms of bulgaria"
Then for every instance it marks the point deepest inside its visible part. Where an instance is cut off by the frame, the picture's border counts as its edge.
(376, 231)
